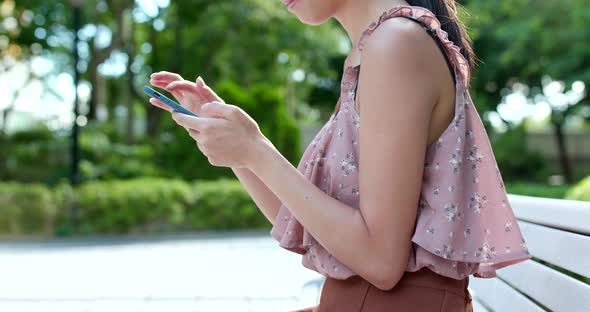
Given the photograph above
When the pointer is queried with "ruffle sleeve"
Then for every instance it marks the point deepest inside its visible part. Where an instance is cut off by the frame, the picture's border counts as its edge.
(465, 224)
(461, 65)
(464, 217)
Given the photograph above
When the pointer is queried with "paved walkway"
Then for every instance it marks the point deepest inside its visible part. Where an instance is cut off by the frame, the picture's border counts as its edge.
(207, 272)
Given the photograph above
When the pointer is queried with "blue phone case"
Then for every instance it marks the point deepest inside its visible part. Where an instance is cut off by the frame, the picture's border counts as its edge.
(160, 97)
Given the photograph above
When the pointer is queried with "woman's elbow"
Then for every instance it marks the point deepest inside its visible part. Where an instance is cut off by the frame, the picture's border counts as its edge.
(385, 277)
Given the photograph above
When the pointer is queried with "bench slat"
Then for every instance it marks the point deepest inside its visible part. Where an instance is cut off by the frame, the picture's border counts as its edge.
(564, 249)
(478, 307)
(551, 288)
(499, 296)
(571, 215)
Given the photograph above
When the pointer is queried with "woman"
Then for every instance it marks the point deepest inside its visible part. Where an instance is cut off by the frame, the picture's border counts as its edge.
(433, 208)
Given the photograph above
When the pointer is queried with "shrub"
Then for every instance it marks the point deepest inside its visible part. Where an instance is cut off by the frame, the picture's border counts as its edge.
(515, 161)
(223, 204)
(34, 155)
(26, 209)
(148, 205)
(159, 205)
(104, 160)
(143, 205)
(580, 191)
(38, 155)
(39, 133)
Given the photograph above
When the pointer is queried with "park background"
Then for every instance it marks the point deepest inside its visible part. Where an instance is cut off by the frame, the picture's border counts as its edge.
(115, 166)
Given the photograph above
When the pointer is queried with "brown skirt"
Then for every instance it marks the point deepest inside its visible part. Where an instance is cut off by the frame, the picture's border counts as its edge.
(420, 291)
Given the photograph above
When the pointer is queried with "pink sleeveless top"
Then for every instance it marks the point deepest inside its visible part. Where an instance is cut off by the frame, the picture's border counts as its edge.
(464, 225)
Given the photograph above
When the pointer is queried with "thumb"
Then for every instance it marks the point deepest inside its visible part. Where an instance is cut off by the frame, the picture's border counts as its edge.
(216, 108)
(207, 92)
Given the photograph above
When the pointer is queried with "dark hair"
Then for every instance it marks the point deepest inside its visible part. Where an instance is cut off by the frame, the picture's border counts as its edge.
(446, 12)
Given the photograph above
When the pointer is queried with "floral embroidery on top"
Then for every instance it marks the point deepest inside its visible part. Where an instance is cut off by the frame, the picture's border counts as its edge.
(477, 202)
(347, 165)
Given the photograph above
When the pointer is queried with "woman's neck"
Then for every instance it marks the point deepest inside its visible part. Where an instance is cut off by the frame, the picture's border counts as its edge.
(355, 16)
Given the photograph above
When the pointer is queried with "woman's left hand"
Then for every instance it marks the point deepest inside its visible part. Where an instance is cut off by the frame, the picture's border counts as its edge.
(224, 133)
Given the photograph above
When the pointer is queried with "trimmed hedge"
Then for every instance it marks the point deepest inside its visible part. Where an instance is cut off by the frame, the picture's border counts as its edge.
(156, 205)
(26, 209)
(148, 205)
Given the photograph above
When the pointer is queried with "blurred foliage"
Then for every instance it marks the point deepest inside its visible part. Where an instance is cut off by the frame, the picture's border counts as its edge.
(233, 45)
(326, 92)
(178, 156)
(137, 206)
(219, 40)
(173, 153)
(26, 209)
(223, 205)
(523, 40)
(33, 155)
(580, 191)
(104, 159)
(537, 189)
(515, 161)
(37, 155)
(258, 56)
(520, 44)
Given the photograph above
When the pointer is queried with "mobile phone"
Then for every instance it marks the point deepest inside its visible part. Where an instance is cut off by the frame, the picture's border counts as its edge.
(172, 104)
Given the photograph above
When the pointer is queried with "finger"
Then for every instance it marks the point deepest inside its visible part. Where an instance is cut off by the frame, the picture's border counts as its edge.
(177, 93)
(160, 104)
(191, 122)
(213, 109)
(208, 94)
(161, 79)
(166, 75)
(168, 79)
(187, 88)
(183, 86)
(201, 148)
(195, 134)
(161, 83)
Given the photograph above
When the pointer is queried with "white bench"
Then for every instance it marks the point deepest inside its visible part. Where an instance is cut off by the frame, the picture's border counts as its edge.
(557, 233)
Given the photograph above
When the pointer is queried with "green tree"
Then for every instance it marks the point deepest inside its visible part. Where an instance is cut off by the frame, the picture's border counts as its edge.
(521, 41)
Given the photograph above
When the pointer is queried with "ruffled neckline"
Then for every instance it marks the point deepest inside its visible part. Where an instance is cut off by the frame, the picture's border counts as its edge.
(426, 16)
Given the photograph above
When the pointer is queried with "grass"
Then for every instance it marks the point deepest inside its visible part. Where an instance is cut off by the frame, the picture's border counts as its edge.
(537, 189)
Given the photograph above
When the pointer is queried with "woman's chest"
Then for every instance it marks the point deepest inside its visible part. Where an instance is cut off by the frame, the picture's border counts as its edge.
(331, 160)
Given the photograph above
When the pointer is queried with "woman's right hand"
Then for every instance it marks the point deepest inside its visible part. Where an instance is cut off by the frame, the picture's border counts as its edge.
(191, 95)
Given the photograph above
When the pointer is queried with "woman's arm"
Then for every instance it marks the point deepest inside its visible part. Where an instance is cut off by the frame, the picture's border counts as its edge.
(264, 198)
(399, 93)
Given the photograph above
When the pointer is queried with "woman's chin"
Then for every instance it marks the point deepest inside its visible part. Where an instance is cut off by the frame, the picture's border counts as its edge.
(309, 19)
(309, 12)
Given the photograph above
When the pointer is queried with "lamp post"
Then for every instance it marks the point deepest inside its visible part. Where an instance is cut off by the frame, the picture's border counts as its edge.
(75, 148)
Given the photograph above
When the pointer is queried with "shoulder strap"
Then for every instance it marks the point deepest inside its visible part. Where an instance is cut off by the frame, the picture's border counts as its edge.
(432, 33)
